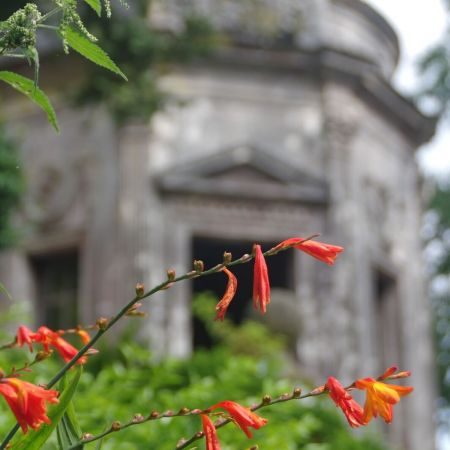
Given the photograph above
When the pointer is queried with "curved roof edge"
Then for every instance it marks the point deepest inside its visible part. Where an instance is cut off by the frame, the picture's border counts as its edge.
(376, 18)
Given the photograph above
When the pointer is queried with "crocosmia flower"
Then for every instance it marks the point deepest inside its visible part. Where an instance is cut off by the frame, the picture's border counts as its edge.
(261, 285)
(326, 253)
(352, 410)
(225, 301)
(210, 432)
(49, 338)
(380, 398)
(27, 401)
(242, 416)
(25, 337)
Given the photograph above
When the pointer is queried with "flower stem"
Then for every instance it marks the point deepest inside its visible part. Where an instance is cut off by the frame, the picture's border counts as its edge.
(164, 285)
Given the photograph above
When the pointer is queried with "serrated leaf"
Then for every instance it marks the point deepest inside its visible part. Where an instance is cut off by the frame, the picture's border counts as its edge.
(28, 88)
(95, 5)
(34, 440)
(91, 51)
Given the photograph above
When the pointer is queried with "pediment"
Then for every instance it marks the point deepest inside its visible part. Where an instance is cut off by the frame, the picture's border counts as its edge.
(244, 172)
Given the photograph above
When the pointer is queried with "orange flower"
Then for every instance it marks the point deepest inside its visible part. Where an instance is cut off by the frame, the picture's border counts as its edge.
(210, 432)
(261, 285)
(84, 336)
(25, 336)
(380, 398)
(352, 410)
(244, 417)
(326, 253)
(48, 338)
(27, 402)
(225, 301)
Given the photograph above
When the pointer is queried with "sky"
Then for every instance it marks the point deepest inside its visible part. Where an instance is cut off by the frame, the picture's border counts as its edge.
(419, 24)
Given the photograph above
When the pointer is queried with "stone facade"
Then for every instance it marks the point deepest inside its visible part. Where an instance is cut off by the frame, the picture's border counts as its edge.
(292, 129)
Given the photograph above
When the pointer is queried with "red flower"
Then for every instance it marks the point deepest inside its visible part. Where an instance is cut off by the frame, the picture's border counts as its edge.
(261, 285)
(49, 338)
(244, 417)
(25, 336)
(380, 398)
(225, 301)
(210, 432)
(326, 253)
(352, 410)
(27, 402)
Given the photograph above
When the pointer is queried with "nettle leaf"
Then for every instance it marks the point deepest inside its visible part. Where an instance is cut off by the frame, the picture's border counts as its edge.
(28, 88)
(91, 51)
(95, 5)
(35, 440)
(68, 430)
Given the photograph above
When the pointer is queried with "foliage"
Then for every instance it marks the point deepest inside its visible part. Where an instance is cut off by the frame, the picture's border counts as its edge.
(18, 39)
(116, 379)
(439, 240)
(435, 70)
(11, 187)
(144, 54)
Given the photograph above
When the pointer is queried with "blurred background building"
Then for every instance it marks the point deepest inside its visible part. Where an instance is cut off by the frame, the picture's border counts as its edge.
(292, 127)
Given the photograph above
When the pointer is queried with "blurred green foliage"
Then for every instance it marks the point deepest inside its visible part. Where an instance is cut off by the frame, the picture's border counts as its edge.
(122, 381)
(11, 187)
(144, 54)
(439, 238)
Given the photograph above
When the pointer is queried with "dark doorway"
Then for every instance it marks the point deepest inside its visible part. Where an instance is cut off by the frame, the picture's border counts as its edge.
(211, 252)
(56, 280)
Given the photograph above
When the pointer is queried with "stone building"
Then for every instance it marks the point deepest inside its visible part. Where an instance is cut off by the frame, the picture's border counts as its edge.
(292, 129)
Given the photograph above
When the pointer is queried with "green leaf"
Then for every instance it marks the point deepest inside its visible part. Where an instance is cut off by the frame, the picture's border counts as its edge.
(34, 440)
(68, 430)
(91, 51)
(95, 5)
(28, 88)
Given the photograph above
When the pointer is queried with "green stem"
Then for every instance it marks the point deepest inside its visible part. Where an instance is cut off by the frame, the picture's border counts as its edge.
(49, 14)
(164, 285)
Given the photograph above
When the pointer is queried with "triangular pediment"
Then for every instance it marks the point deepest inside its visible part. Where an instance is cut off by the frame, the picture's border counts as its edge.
(244, 172)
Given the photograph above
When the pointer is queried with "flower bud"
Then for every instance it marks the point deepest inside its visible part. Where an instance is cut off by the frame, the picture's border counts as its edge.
(154, 414)
(86, 436)
(138, 418)
(42, 354)
(171, 274)
(199, 266)
(102, 323)
(227, 256)
(266, 399)
(140, 290)
(116, 426)
(297, 392)
(183, 411)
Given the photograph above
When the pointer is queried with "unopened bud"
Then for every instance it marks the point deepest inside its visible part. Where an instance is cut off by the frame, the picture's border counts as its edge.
(199, 266)
(154, 414)
(227, 256)
(102, 323)
(116, 426)
(42, 354)
(86, 436)
(266, 399)
(2, 373)
(297, 393)
(171, 274)
(183, 411)
(168, 413)
(199, 434)
(138, 418)
(140, 290)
